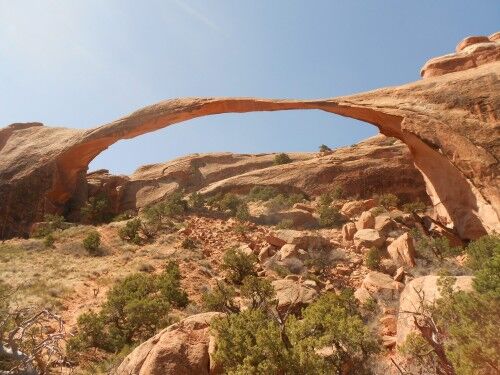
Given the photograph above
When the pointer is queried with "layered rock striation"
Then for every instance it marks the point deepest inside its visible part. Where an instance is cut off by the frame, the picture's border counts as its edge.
(450, 123)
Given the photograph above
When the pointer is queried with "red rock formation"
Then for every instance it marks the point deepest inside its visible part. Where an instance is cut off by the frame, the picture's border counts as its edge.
(449, 122)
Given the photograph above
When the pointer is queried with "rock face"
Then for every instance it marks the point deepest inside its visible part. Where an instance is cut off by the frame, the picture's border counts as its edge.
(402, 251)
(409, 302)
(182, 348)
(448, 121)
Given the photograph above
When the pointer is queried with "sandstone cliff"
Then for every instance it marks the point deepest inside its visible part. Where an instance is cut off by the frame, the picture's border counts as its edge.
(449, 121)
(377, 165)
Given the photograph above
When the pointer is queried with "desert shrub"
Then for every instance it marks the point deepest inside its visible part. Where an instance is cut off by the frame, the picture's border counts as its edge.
(259, 291)
(320, 260)
(482, 250)
(329, 217)
(171, 207)
(134, 310)
(242, 212)
(388, 200)
(419, 353)
(49, 240)
(487, 278)
(281, 158)
(238, 265)
(262, 193)
(324, 148)
(92, 242)
(220, 298)
(240, 228)
(285, 224)
(252, 342)
(433, 248)
(96, 210)
(470, 324)
(196, 201)
(51, 223)
(282, 201)
(131, 231)
(414, 207)
(327, 198)
(378, 210)
(372, 259)
(129, 214)
(188, 243)
(26, 345)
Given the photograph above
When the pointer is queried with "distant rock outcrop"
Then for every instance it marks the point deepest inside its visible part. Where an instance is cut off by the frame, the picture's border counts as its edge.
(448, 121)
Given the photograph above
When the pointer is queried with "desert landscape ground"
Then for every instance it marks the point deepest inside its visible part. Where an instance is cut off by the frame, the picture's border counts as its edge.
(381, 257)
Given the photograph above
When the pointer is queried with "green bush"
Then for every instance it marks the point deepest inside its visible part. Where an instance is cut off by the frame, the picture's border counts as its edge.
(238, 265)
(134, 310)
(414, 207)
(130, 232)
(329, 217)
(324, 148)
(262, 193)
(188, 243)
(51, 223)
(49, 240)
(469, 322)
(481, 251)
(282, 158)
(252, 342)
(260, 292)
(388, 200)
(171, 207)
(196, 201)
(221, 299)
(282, 201)
(372, 259)
(96, 210)
(129, 214)
(92, 242)
(242, 212)
(285, 224)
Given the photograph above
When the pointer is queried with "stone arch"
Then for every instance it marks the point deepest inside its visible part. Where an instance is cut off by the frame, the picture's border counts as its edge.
(452, 137)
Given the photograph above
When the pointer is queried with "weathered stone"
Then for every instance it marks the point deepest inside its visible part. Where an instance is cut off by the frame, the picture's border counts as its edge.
(368, 238)
(182, 348)
(423, 289)
(354, 208)
(402, 251)
(381, 287)
(287, 251)
(365, 221)
(291, 292)
(348, 231)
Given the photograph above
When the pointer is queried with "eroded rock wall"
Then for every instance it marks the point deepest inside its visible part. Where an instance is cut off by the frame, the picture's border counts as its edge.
(450, 123)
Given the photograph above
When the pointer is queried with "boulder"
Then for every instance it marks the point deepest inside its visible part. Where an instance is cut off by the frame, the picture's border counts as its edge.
(368, 238)
(384, 224)
(292, 292)
(348, 231)
(299, 218)
(287, 251)
(304, 207)
(427, 288)
(265, 253)
(365, 221)
(354, 208)
(380, 287)
(402, 251)
(181, 349)
(303, 240)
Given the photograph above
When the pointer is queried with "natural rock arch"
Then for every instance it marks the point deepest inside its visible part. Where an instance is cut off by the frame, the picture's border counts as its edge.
(449, 122)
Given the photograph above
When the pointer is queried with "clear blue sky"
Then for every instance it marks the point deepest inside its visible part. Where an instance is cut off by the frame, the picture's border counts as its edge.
(84, 63)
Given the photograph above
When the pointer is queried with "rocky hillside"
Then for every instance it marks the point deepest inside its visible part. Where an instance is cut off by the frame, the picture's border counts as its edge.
(378, 258)
(377, 165)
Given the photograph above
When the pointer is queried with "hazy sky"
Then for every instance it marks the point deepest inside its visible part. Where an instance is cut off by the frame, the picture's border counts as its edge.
(84, 63)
